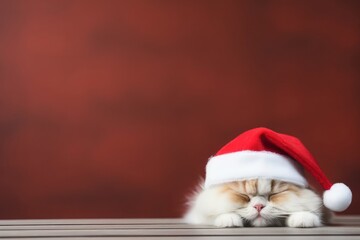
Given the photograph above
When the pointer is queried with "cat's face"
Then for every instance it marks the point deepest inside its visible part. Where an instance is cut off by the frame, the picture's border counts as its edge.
(263, 202)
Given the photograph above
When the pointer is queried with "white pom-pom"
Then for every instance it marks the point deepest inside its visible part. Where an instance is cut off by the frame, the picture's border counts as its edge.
(338, 197)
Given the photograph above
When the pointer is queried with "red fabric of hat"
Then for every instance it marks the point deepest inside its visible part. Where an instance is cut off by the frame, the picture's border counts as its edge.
(261, 152)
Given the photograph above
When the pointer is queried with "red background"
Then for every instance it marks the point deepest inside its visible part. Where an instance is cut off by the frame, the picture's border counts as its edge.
(111, 108)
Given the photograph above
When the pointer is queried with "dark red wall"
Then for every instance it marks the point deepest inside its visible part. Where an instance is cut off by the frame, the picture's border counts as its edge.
(111, 108)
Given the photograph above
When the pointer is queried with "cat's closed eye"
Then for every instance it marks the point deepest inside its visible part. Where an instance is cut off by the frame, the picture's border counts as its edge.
(244, 197)
(272, 195)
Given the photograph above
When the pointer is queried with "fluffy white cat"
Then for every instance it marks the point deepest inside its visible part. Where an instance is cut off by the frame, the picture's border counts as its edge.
(256, 203)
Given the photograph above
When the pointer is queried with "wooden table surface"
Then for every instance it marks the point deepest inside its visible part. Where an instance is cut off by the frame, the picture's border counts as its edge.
(345, 227)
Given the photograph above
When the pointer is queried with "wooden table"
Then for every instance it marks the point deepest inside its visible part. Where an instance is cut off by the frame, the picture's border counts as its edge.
(346, 227)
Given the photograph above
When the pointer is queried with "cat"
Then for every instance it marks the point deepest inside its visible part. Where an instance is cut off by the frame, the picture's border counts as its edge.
(256, 203)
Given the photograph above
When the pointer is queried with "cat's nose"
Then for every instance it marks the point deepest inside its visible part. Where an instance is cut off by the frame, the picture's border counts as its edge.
(258, 207)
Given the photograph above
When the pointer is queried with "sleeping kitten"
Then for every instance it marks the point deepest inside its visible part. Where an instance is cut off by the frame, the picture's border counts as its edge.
(257, 203)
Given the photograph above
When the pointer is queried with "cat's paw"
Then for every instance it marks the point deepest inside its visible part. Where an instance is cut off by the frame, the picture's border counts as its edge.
(228, 220)
(303, 220)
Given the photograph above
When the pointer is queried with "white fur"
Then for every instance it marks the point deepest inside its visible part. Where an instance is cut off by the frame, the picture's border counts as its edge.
(213, 207)
(263, 186)
(207, 205)
(303, 220)
(228, 220)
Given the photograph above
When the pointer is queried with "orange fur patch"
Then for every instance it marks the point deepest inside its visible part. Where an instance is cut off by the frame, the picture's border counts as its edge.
(232, 190)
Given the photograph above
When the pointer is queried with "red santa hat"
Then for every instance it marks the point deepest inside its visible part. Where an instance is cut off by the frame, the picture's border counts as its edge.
(263, 153)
